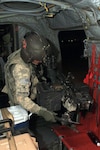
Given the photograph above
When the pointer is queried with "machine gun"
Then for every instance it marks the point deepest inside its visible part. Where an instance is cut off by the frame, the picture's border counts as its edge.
(58, 93)
(75, 99)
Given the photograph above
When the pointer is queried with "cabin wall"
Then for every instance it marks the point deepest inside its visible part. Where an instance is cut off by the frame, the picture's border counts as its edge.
(39, 25)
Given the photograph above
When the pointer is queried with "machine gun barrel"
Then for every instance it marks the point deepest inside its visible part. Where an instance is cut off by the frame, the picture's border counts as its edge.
(66, 121)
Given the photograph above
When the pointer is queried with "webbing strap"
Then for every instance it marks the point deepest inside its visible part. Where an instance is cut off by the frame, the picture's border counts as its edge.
(6, 114)
(89, 77)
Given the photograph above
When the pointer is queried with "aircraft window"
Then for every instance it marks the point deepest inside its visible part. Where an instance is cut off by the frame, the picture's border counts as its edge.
(72, 50)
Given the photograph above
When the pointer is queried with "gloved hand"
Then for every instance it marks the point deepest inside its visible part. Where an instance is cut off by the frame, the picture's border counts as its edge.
(47, 115)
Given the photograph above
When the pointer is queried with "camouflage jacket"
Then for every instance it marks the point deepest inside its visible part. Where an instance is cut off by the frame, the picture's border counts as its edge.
(20, 82)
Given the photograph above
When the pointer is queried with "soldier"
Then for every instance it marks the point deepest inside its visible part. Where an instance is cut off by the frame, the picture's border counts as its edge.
(20, 77)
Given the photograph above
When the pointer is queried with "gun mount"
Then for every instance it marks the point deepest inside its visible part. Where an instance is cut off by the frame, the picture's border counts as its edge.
(58, 93)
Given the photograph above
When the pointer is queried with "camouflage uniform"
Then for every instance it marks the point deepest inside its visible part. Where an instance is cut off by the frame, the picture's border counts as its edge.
(21, 82)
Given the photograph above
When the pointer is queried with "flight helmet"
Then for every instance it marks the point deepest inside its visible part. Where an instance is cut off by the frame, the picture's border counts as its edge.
(34, 47)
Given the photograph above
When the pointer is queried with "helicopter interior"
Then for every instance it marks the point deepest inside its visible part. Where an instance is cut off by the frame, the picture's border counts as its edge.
(73, 26)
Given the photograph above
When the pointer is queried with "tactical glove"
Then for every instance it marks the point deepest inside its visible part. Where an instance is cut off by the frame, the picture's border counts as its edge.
(47, 115)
